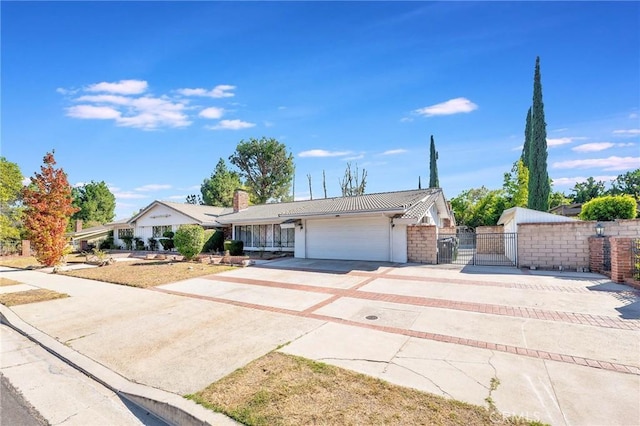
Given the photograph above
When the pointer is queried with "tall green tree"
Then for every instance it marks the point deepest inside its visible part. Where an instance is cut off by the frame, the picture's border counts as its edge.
(539, 186)
(95, 202)
(49, 207)
(10, 196)
(587, 190)
(479, 206)
(527, 140)
(516, 185)
(433, 166)
(557, 198)
(627, 183)
(267, 168)
(218, 190)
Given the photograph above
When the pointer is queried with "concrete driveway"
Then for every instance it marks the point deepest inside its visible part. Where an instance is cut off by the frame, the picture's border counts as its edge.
(564, 347)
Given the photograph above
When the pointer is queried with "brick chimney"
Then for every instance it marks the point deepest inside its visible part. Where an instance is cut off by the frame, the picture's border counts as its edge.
(78, 225)
(240, 200)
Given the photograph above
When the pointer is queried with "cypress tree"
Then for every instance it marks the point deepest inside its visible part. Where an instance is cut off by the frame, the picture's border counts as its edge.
(433, 166)
(419, 183)
(539, 187)
(527, 140)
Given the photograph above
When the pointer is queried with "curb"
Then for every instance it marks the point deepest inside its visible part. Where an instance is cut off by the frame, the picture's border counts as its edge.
(169, 407)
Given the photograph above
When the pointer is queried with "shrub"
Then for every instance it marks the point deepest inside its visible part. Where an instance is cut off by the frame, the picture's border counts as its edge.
(189, 240)
(139, 243)
(128, 242)
(167, 242)
(609, 207)
(235, 247)
(107, 243)
(153, 244)
(214, 241)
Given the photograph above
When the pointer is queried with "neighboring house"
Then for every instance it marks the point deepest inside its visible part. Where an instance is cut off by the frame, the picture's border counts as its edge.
(365, 227)
(569, 210)
(162, 216)
(510, 218)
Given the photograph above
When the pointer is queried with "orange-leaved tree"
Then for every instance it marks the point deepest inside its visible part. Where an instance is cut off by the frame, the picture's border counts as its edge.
(48, 209)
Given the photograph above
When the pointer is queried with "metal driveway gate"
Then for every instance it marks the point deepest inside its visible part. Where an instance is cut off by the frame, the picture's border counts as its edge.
(467, 247)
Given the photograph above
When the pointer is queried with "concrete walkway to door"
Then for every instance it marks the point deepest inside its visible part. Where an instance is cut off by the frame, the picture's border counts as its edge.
(564, 347)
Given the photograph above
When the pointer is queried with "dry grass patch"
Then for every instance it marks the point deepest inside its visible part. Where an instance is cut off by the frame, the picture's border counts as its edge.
(21, 262)
(280, 389)
(6, 281)
(147, 273)
(30, 296)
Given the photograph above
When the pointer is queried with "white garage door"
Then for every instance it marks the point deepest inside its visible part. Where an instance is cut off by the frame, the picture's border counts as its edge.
(350, 239)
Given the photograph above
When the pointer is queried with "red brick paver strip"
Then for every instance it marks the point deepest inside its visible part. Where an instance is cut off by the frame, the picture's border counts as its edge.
(513, 311)
(538, 354)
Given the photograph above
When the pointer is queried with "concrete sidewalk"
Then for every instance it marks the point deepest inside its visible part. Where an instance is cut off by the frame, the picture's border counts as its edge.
(565, 348)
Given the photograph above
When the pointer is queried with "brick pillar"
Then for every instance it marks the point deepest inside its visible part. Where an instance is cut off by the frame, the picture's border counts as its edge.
(422, 244)
(240, 200)
(26, 248)
(621, 263)
(596, 254)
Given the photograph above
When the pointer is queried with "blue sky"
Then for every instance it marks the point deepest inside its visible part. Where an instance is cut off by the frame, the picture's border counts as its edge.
(147, 96)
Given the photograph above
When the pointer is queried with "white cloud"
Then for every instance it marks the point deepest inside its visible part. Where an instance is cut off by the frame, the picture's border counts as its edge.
(627, 132)
(571, 181)
(212, 112)
(153, 187)
(394, 151)
(26, 181)
(592, 147)
(355, 157)
(178, 197)
(93, 112)
(452, 106)
(564, 129)
(611, 163)
(633, 115)
(406, 120)
(145, 112)
(123, 87)
(561, 141)
(220, 91)
(128, 195)
(78, 184)
(517, 148)
(268, 124)
(323, 153)
(231, 125)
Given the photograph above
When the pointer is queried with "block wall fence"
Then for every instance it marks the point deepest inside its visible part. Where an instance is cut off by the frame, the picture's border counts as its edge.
(565, 244)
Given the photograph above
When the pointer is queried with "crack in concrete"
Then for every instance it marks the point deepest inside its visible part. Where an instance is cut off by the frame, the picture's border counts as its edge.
(425, 377)
(354, 359)
(555, 394)
(465, 374)
(396, 354)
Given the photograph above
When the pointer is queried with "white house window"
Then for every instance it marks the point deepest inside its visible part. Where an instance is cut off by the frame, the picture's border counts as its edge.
(267, 236)
(158, 231)
(125, 232)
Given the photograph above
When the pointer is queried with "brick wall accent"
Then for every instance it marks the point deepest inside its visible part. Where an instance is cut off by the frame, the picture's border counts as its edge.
(566, 244)
(240, 200)
(26, 248)
(621, 262)
(596, 254)
(490, 245)
(422, 244)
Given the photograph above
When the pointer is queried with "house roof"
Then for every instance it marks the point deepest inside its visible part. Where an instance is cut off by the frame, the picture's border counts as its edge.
(524, 215)
(412, 204)
(94, 231)
(199, 213)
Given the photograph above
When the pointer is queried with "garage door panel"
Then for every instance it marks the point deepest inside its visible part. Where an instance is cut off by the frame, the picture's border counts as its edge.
(352, 239)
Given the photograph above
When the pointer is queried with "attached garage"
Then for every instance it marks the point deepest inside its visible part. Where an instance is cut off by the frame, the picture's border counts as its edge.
(357, 238)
